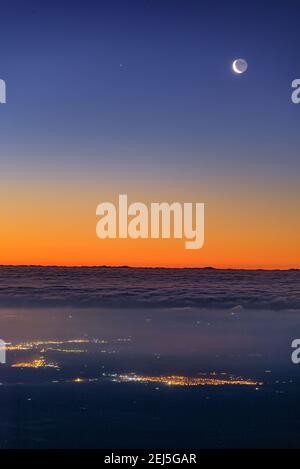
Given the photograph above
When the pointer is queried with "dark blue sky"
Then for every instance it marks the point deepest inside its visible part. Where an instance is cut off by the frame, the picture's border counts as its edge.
(61, 61)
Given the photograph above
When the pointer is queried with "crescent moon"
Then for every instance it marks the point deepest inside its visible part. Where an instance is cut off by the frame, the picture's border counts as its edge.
(234, 67)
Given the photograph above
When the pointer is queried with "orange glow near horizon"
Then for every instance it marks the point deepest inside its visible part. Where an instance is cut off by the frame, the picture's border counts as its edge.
(40, 227)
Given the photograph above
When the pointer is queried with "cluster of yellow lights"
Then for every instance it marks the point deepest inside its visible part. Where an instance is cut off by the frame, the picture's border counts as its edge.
(17, 347)
(78, 380)
(84, 380)
(67, 350)
(39, 343)
(38, 363)
(175, 380)
(77, 341)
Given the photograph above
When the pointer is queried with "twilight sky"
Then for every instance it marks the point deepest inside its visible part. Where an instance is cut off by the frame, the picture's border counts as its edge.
(138, 97)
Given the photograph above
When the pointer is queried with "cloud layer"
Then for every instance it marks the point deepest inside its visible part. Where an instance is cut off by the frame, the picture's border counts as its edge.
(129, 287)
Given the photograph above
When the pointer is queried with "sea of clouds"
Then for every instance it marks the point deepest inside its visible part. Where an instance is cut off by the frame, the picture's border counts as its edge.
(152, 288)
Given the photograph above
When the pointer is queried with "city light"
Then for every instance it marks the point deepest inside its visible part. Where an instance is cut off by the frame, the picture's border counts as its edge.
(177, 380)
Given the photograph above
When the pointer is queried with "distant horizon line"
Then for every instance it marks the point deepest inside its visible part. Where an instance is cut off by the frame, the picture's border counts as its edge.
(103, 266)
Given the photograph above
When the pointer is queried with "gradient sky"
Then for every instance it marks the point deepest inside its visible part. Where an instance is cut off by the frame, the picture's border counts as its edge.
(138, 97)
